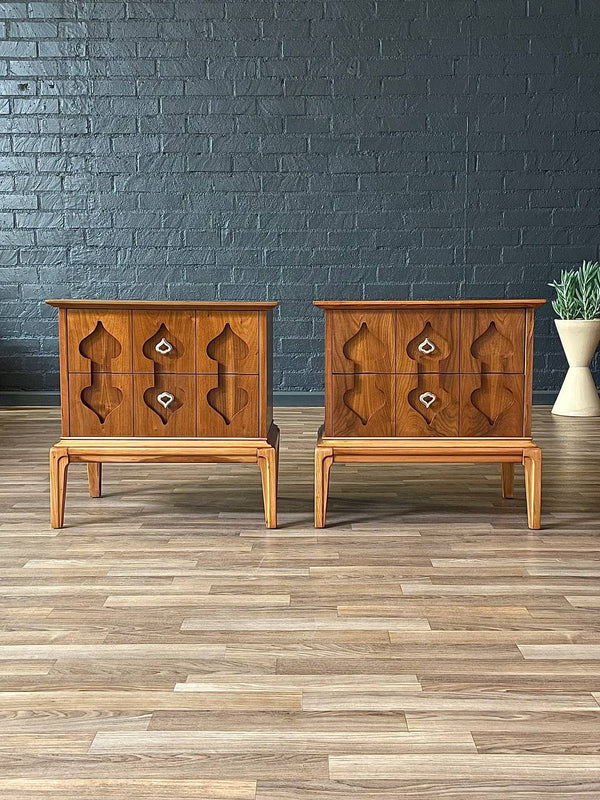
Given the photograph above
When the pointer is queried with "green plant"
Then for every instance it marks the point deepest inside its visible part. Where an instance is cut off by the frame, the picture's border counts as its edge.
(578, 292)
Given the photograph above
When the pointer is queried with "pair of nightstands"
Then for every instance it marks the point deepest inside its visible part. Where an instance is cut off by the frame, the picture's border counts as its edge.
(442, 381)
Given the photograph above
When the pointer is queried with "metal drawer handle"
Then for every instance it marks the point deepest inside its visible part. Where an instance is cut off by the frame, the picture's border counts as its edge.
(426, 346)
(427, 398)
(163, 347)
(165, 399)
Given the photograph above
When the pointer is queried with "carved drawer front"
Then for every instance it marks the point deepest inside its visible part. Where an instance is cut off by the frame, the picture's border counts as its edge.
(427, 404)
(361, 341)
(100, 404)
(164, 341)
(165, 405)
(491, 405)
(227, 342)
(361, 405)
(227, 405)
(493, 341)
(99, 341)
(427, 341)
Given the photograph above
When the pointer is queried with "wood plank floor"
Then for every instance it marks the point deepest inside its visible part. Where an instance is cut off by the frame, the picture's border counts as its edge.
(425, 644)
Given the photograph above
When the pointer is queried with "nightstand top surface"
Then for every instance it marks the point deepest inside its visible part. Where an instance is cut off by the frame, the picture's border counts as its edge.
(198, 305)
(406, 304)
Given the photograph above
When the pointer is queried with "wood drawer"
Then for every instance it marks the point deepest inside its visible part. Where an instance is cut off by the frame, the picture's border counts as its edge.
(427, 341)
(227, 405)
(361, 341)
(164, 405)
(227, 342)
(100, 405)
(427, 405)
(361, 405)
(492, 340)
(99, 340)
(491, 405)
(164, 341)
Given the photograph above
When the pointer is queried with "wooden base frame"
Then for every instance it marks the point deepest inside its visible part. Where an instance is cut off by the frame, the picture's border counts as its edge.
(507, 452)
(96, 451)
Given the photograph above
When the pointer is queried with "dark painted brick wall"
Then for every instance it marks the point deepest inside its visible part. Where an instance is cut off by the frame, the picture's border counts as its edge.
(292, 150)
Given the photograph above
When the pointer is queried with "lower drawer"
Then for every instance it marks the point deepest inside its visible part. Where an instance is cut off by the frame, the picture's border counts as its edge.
(426, 404)
(165, 404)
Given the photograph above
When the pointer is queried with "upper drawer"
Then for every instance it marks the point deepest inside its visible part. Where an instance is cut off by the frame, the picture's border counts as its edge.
(100, 338)
(164, 341)
(427, 341)
(492, 340)
(227, 342)
(361, 341)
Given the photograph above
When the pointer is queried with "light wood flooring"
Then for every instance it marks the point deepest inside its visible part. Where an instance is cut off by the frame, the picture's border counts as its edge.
(425, 644)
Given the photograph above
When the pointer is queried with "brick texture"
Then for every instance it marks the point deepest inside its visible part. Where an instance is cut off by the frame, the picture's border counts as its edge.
(292, 150)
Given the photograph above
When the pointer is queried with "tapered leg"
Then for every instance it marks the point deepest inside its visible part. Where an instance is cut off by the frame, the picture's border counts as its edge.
(277, 469)
(508, 479)
(59, 463)
(94, 471)
(275, 444)
(267, 461)
(323, 462)
(532, 463)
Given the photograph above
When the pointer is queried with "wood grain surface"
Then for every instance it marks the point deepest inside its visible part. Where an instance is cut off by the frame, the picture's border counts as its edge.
(425, 645)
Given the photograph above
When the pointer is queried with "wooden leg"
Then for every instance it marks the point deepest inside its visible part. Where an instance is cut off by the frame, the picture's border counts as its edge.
(532, 463)
(59, 463)
(275, 443)
(267, 461)
(94, 471)
(323, 462)
(508, 479)
(277, 469)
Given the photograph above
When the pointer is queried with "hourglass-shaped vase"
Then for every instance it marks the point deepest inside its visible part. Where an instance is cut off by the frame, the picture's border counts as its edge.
(578, 396)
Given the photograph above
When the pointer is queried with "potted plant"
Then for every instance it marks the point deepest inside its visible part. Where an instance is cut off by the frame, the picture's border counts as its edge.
(577, 305)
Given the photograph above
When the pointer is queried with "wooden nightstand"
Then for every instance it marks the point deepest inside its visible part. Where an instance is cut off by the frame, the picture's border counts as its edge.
(146, 381)
(443, 381)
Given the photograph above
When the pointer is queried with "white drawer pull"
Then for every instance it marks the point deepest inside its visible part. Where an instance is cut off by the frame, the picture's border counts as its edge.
(163, 347)
(426, 346)
(427, 398)
(165, 399)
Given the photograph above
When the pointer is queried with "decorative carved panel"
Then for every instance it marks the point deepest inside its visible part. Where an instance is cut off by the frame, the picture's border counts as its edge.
(100, 396)
(227, 349)
(427, 405)
(86, 420)
(493, 341)
(427, 341)
(227, 405)
(361, 342)
(227, 343)
(165, 340)
(165, 404)
(228, 398)
(82, 324)
(491, 405)
(363, 405)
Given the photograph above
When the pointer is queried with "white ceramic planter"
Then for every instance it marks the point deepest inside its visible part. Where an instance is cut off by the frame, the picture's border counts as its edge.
(578, 396)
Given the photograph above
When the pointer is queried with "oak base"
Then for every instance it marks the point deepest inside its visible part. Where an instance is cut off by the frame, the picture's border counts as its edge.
(507, 452)
(96, 451)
